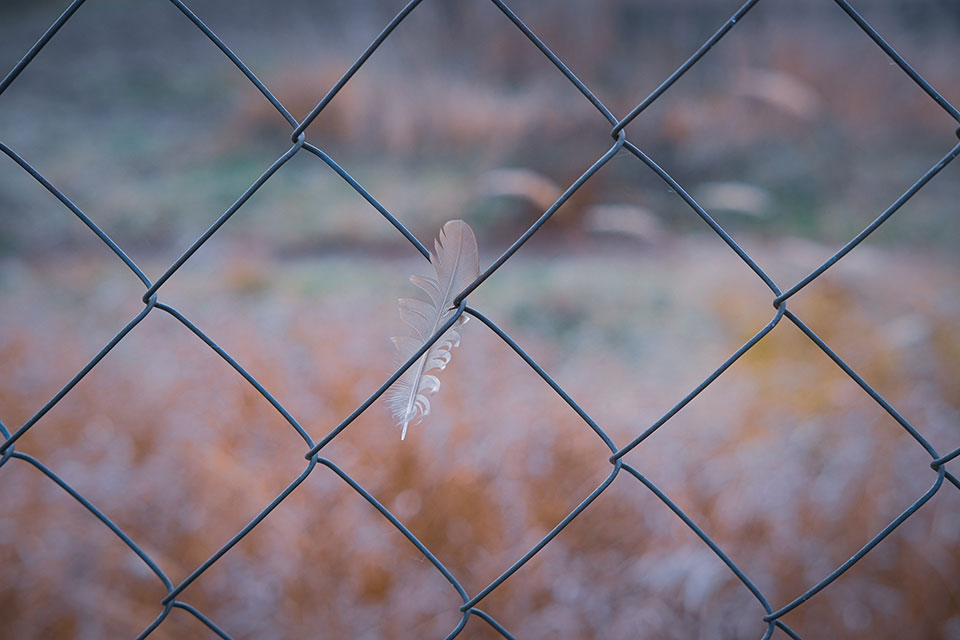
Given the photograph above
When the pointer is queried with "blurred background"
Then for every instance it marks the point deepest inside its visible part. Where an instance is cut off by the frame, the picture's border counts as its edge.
(795, 132)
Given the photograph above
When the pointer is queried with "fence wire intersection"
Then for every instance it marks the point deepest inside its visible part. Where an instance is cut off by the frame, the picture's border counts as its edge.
(772, 616)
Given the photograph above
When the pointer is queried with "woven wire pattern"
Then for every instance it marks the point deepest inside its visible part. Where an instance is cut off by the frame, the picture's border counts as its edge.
(620, 145)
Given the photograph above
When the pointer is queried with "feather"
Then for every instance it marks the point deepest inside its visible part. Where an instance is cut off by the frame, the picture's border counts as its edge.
(456, 262)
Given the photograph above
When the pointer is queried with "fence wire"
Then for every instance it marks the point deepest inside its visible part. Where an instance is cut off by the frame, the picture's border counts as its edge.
(620, 144)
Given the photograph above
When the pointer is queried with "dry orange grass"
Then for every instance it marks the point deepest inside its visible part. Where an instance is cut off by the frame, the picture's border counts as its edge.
(784, 462)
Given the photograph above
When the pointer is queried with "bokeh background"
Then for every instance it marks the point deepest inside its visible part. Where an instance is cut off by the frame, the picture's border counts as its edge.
(794, 132)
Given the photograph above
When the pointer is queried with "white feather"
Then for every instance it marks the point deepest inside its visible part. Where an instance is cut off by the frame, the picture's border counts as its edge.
(456, 263)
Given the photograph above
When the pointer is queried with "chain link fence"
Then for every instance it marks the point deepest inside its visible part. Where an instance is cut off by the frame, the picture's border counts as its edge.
(621, 144)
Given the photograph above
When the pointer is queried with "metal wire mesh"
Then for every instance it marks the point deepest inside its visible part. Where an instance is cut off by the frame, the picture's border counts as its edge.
(621, 144)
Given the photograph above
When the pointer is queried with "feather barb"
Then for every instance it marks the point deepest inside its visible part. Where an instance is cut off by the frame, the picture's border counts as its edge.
(456, 263)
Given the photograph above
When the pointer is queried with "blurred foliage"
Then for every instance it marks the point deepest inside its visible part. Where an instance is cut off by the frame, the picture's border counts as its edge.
(784, 461)
(153, 132)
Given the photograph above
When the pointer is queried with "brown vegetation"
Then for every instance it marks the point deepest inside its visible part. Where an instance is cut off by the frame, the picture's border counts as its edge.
(783, 461)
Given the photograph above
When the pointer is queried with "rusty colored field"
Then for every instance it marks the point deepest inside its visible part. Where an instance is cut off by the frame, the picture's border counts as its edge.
(785, 462)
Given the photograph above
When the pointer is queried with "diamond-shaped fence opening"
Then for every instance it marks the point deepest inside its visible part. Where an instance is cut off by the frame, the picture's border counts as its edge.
(770, 612)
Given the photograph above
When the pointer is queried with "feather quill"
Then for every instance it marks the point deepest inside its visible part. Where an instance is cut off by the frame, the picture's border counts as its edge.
(456, 262)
